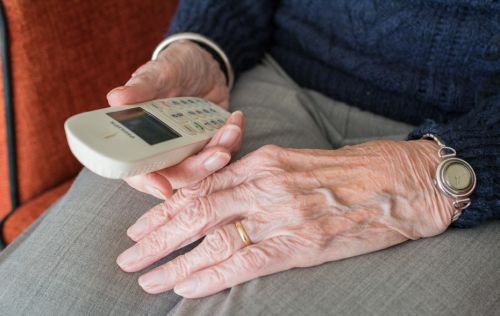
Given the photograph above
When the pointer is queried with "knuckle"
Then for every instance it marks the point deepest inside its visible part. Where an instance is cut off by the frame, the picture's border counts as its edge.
(218, 244)
(252, 259)
(237, 171)
(184, 194)
(216, 276)
(206, 212)
(267, 157)
(270, 148)
(161, 213)
(154, 243)
(200, 188)
(179, 197)
(268, 152)
(197, 213)
(182, 267)
(186, 218)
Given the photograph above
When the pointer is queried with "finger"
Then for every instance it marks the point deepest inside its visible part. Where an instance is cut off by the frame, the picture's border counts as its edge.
(216, 247)
(156, 217)
(267, 257)
(197, 218)
(191, 170)
(151, 183)
(145, 84)
(195, 176)
(231, 134)
(240, 171)
(184, 198)
(197, 167)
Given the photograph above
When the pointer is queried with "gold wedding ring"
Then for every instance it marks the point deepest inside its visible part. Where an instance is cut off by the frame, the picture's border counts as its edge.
(243, 233)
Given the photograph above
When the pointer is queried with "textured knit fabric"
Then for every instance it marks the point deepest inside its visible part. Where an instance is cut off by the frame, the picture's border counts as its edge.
(65, 263)
(432, 63)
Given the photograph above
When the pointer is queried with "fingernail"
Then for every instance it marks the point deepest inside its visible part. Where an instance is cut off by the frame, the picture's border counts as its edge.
(128, 257)
(233, 118)
(116, 90)
(138, 229)
(216, 161)
(155, 192)
(153, 279)
(186, 287)
(229, 136)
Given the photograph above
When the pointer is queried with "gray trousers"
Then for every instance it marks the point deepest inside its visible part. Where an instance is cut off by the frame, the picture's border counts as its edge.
(65, 263)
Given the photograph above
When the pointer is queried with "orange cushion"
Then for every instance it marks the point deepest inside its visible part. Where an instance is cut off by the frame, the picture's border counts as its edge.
(65, 56)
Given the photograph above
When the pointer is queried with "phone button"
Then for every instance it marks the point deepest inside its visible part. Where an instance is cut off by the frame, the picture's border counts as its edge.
(198, 126)
(209, 126)
(189, 129)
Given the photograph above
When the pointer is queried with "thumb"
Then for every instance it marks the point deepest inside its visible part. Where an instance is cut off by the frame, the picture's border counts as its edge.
(144, 85)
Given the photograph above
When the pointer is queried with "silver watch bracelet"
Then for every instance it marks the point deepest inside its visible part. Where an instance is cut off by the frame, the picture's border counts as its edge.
(458, 185)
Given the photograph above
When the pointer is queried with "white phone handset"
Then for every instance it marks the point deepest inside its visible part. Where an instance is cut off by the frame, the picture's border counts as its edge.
(124, 141)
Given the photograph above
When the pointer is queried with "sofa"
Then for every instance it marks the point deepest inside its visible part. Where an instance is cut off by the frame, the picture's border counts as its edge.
(60, 58)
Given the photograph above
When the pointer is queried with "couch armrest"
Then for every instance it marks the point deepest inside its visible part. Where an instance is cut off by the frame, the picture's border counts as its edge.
(65, 56)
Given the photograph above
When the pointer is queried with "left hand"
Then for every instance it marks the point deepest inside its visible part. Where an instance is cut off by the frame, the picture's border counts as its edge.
(300, 208)
(183, 69)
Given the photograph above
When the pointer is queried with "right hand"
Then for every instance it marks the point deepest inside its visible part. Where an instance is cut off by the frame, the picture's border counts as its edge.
(183, 69)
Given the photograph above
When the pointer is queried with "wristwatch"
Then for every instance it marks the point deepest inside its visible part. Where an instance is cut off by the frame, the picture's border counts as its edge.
(454, 177)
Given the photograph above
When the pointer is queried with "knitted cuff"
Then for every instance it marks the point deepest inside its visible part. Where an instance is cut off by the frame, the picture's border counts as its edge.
(476, 138)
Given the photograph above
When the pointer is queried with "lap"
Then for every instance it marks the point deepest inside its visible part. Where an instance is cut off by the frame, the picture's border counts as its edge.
(65, 264)
(456, 273)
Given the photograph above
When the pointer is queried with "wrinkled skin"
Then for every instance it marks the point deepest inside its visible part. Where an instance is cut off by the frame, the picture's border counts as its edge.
(301, 208)
(183, 69)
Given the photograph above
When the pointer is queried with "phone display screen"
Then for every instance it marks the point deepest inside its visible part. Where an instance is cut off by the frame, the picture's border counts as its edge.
(145, 125)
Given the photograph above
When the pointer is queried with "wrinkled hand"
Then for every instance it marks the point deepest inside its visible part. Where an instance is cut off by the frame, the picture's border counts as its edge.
(183, 69)
(301, 208)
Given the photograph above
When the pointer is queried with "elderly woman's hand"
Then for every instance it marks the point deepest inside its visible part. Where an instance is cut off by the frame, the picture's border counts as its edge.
(300, 208)
(183, 69)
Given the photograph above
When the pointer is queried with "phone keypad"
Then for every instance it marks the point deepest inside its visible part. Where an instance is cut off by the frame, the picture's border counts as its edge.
(189, 129)
(194, 116)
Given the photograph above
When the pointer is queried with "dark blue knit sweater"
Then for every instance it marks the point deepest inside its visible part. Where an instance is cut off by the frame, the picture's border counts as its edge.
(432, 63)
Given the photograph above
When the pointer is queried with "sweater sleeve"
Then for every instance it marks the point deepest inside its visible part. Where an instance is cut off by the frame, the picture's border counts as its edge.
(476, 138)
(241, 28)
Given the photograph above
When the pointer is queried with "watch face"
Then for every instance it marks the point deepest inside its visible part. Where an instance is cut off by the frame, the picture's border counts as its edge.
(457, 176)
